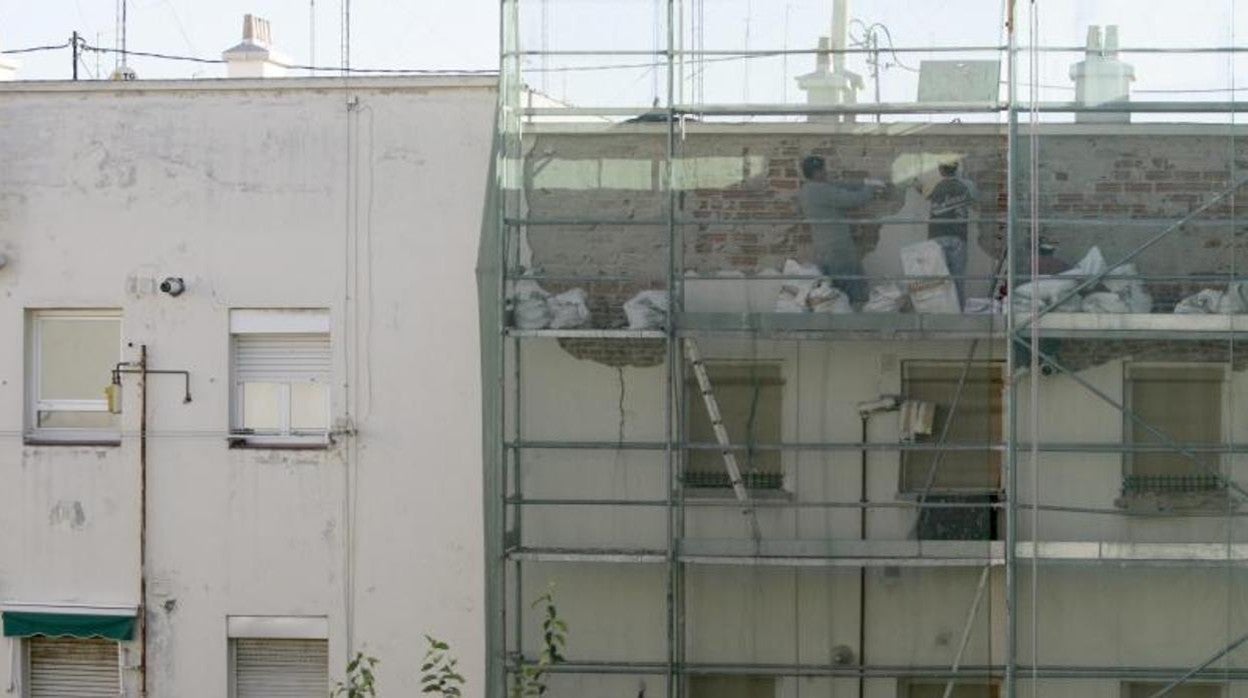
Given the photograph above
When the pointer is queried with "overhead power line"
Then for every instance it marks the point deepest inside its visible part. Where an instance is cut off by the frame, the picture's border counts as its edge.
(35, 49)
(316, 68)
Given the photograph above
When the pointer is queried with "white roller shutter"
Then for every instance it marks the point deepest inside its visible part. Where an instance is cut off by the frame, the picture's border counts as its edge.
(282, 358)
(72, 668)
(269, 668)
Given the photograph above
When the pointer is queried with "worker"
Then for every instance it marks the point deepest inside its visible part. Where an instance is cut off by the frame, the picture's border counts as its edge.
(825, 205)
(951, 199)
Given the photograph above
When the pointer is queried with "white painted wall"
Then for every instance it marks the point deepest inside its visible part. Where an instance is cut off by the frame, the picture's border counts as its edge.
(259, 194)
(1089, 615)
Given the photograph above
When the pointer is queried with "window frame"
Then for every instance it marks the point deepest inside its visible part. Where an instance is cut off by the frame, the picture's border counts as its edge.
(35, 404)
(1128, 426)
(277, 322)
(1124, 687)
(277, 628)
(25, 670)
(905, 686)
(760, 480)
(775, 681)
(904, 487)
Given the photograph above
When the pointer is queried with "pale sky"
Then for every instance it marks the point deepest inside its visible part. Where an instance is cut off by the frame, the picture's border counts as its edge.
(385, 33)
(444, 34)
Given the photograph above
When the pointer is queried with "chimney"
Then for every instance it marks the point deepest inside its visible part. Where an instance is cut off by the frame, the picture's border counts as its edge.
(254, 56)
(1100, 78)
(829, 85)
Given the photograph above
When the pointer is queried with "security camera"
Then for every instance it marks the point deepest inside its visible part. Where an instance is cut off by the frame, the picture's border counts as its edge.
(173, 285)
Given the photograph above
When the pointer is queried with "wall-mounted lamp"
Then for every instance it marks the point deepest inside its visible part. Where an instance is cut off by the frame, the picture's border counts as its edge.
(173, 285)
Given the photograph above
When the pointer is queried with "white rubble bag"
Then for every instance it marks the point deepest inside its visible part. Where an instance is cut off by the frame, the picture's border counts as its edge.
(823, 297)
(1205, 302)
(531, 306)
(885, 298)
(1104, 302)
(569, 309)
(647, 310)
(927, 258)
(793, 292)
(1131, 291)
(982, 306)
(1049, 288)
(1235, 300)
(1210, 301)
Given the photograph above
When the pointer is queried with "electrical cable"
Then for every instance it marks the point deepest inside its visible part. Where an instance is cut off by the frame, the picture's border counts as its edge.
(35, 49)
(327, 69)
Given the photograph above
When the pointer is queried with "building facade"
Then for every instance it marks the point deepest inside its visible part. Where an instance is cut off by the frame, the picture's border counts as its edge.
(1011, 466)
(240, 413)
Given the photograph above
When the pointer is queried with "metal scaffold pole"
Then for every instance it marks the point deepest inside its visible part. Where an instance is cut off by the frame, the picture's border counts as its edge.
(1011, 436)
(672, 415)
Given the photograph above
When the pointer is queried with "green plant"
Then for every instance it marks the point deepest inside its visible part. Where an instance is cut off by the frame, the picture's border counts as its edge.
(438, 672)
(531, 679)
(360, 681)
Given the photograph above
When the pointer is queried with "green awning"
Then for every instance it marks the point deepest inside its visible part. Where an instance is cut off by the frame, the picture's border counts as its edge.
(26, 624)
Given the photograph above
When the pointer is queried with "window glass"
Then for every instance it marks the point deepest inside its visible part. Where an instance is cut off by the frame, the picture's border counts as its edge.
(1184, 403)
(732, 687)
(1145, 689)
(960, 690)
(262, 406)
(974, 414)
(309, 407)
(68, 419)
(749, 397)
(76, 357)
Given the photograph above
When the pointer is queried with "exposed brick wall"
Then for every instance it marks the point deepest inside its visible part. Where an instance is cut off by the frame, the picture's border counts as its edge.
(736, 222)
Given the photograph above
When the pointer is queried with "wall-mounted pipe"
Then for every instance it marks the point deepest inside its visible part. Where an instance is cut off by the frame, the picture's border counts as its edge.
(884, 403)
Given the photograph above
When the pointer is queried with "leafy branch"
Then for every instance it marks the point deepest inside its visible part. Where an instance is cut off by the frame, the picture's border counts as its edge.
(531, 679)
(360, 681)
(438, 671)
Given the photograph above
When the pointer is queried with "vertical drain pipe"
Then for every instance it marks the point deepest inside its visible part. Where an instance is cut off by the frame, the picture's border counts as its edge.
(143, 521)
(865, 417)
(884, 403)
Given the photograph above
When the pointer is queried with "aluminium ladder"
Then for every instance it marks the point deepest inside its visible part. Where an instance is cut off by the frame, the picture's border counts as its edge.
(721, 436)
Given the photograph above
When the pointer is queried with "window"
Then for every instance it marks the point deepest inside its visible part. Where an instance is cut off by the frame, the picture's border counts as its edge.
(732, 687)
(68, 666)
(281, 372)
(749, 396)
(975, 419)
(1145, 689)
(70, 358)
(961, 689)
(1185, 404)
(265, 667)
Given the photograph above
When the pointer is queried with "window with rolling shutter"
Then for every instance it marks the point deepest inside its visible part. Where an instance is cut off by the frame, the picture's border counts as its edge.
(975, 421)
(281, 364)
(63, 667)
(279, 668)
(1184, 402)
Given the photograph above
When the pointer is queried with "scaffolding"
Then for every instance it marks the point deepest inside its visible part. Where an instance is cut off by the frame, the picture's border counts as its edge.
(788, 522)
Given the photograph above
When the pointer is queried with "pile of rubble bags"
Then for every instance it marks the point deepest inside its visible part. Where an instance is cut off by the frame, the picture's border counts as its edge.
(929, 293)
(534, 308)
(1232, 301)
(811, 293)
(1120, 291)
